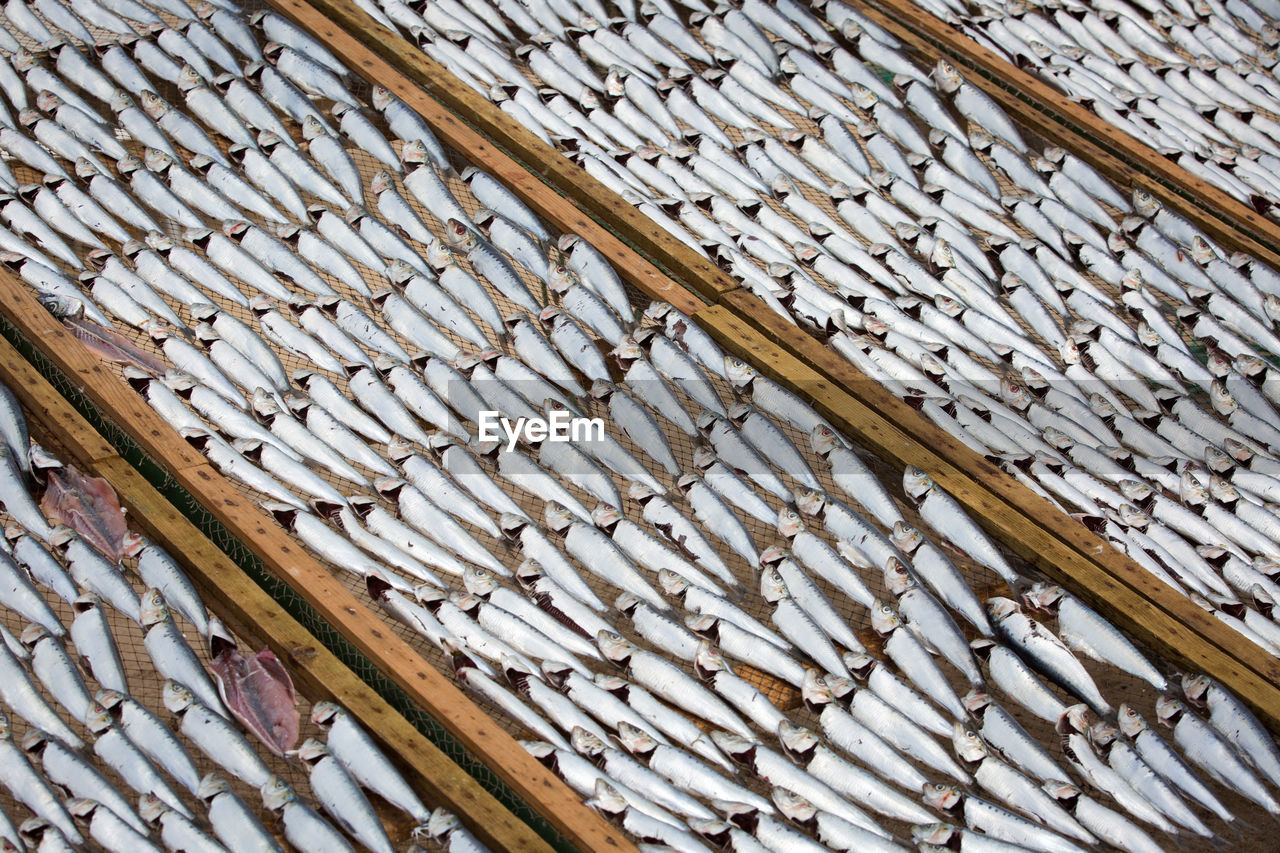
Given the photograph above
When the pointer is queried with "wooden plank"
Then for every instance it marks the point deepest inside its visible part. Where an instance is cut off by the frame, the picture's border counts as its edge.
(258, 620)
(1116, 154)
(1065, 551)
(283, 557)
(519, 159)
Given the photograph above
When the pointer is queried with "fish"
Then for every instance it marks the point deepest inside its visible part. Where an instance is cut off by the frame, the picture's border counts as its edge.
(92, 639)
(108, 829)
(668, 681)
(27, 786)
(304, 828)
(174, 829)
(358, 753)
(120, 754)
(256, 690)
(234, 824)
(215, 736)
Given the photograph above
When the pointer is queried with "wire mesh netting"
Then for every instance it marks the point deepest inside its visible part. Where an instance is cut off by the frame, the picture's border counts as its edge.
(682, 447)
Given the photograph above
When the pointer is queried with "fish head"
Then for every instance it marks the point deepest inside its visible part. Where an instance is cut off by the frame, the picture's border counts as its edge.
(382, 182)
(478, 581)
(797, 742)
(544, 752)
(808, 501)
(82, 808)
(967, 743)
(325, 713)
(897, 577)
(32, 635)
(1145, 204)
(211, 786)
(1103, 736)
(916, 483)
(707, 661)
(1074, 720)
(109, 699)
(529, 572)
(615, 648)
(626, 603)
(1190, 490)
(381, 98)
(276, 793)
(1064, 793)
(641, 493)
(1044, 596)
(153, 105)
(151, 808)
(823, 440)
(738, 372)
(635, 740)
(558, 518)
(884, 619)
(1169, 711)
(189, 78)
(1000, 608)
(586, 744)
(556, 673)
(1222, 491)
(1223, 403)
(789, 523)
(1130, 721)
(312, 752)
(976, 703)
(513, 669)
(460, 237)
(945, 798)
(937, 836)
(607, 800)
(177, 698)
(815, 692)
(313, 129)
(441, 824)
(672, 583)
(738, 748)
(1196, 688)
(794, 807)
(1271, 307)
(772, 587)
(905, 537)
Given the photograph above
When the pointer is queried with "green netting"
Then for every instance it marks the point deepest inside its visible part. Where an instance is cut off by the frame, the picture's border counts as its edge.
(284, 595)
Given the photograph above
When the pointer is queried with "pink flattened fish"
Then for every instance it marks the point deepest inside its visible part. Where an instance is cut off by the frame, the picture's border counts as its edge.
(257, 691)
(110, 345)
(89, 506)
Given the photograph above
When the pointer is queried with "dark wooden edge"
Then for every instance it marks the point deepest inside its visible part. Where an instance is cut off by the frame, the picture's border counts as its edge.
(1123, 159)
(1012, 513)
(311, 580)
(1024, 522)
(556, 188)
(254, 616)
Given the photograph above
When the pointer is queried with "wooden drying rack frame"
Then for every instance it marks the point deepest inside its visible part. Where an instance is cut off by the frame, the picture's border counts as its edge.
(662, 268)
(1022, 521)
(254, 615)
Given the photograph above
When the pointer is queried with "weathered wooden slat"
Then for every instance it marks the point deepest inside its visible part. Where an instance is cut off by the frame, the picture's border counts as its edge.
(1045, 110)
(1021, 520)
(1012, 513)
(256, 617)
(284, 558)
(387, 60)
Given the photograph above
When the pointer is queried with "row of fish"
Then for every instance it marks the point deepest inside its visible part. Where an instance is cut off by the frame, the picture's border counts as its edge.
(1026, 351)
(405, 556)
(1196, 83)
(77, 566)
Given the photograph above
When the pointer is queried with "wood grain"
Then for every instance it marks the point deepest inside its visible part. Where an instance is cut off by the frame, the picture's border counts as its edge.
(531, 168)
(257, 619)
(284, 557)
(1124, 160)
(1022, 521)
